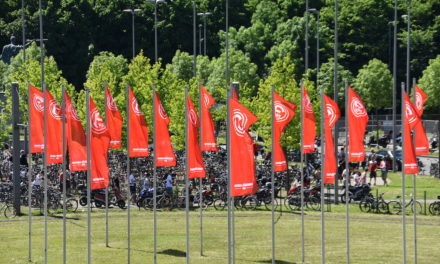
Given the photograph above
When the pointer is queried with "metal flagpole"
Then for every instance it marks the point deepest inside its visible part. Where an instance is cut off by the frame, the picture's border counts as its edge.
(403, 175)
(127, 110)
(227, 42)
(408, 43)
(394, 84)
(63, 109)
(23, 30)
(106, 189)
(201, 179)
(29, 179)
(301, 164)
(272, 175)
(347, 177)
(234, 86)
(414, 190)
(322, 176)
(228, 149)
(194, 38)
(306, 61)
(89, 176)
(154, 178)
(186, 177)
(335, 90)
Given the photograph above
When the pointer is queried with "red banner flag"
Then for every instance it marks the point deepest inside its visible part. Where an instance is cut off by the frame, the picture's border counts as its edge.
(196, 168)
(164, 154)
(357, 123)
(208, 133)
(411, 119)
(54, 136)
(243, 178)
(308, 124)
(114, 120)
(76, 138)
(138, 128)
(331, 116)
(421, 139)
(36, 119)
(99, 142)
(284, 112)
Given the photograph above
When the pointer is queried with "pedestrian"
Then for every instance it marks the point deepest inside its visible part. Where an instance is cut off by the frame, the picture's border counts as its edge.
(384, 170)
(132, 183)
(372, 167)
(363, 178)
(169, 184)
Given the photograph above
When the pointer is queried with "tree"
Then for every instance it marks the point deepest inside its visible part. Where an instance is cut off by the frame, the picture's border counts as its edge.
(326, 79)
(430, 83)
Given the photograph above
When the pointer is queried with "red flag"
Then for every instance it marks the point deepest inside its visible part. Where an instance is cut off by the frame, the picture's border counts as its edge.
(114, 120)
(421, 140)
(36, 119)
(309, 124)
(99, 142)
(411, 119)
(242, 153)
(138, 129)
(208, 133)
(357, 123)
(235, 93)
(284, 112)
(164, 151)
(331, 116)
(54, 136)
(196, 168)
(76, 138)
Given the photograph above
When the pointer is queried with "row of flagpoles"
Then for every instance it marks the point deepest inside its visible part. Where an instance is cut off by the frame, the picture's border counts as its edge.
(56, 129)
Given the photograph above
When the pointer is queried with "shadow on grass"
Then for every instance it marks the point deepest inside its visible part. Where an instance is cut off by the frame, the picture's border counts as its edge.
(173, 252)
(276, 261)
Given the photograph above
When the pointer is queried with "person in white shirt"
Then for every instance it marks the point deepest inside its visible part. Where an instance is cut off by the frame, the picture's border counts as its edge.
(384, 170)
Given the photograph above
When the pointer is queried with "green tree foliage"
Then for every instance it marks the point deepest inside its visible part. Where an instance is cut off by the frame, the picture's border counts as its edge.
(430, 83)
(326, 79)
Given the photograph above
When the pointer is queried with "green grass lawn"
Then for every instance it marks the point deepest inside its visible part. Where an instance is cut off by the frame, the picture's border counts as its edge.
(374, 238)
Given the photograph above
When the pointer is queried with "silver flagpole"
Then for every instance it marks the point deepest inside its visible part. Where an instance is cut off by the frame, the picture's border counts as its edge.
(347, 177)
(228, 149)
(106, 189)
(403, 175)
(29, 178)
(63, 109)
(45, 172)
(89, 176)
(186, 177)
(272, 174)
(301, 164)
(127, 110)
(322, 176)
(154, 179)
(201, 179)
(414, 190)
(234, 86)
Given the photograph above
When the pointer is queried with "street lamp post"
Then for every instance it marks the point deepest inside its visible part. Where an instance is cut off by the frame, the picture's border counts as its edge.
(205, 17)
(155, 2)
(408, 45)
(394, 83)
(132, 11)
(200, 39)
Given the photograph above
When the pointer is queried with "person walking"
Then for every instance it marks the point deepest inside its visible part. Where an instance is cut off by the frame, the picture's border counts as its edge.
(384, 170)
(372, 167)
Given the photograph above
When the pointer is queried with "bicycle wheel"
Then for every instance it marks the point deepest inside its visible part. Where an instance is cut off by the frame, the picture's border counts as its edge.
(293, 203)
(365, 206)
(383, 207)
(268, 203)
(219, 204)
(10, 211)
(313, 203)
(250, 203)
(418, 207)
(395, 207)
(71, 205)
(434, 208)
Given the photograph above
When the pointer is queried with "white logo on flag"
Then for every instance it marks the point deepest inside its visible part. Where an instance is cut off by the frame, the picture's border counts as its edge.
(162, 112)
(38, 103)
(281, 113)
(72, 112)
(410, 115)
(206, 99)
(239, 120)
(98, 125)
(331, 113)
(357, 108)
(111, 104)
(419, 101)
(307, 105)
(135, 107)
(55, 110)
(193, 117)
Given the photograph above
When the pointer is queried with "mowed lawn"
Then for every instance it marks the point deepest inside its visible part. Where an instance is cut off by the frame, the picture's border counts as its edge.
(373, 238)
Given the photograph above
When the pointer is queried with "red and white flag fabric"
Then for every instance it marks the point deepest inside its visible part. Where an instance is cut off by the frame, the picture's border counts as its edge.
(284, 112)
(36, 119)
(114, 120)
(308, 124)
(208, 131)
(99, 143)
(138, 130)
(54, 137)
(331, 116)
(357, 123)
(421, 139)
(243, 178)
(76, 138)
(164, 154)
(196, 168)
(411, 119)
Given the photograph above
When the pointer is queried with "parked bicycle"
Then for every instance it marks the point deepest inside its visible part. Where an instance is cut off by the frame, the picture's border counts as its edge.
(395, 206)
